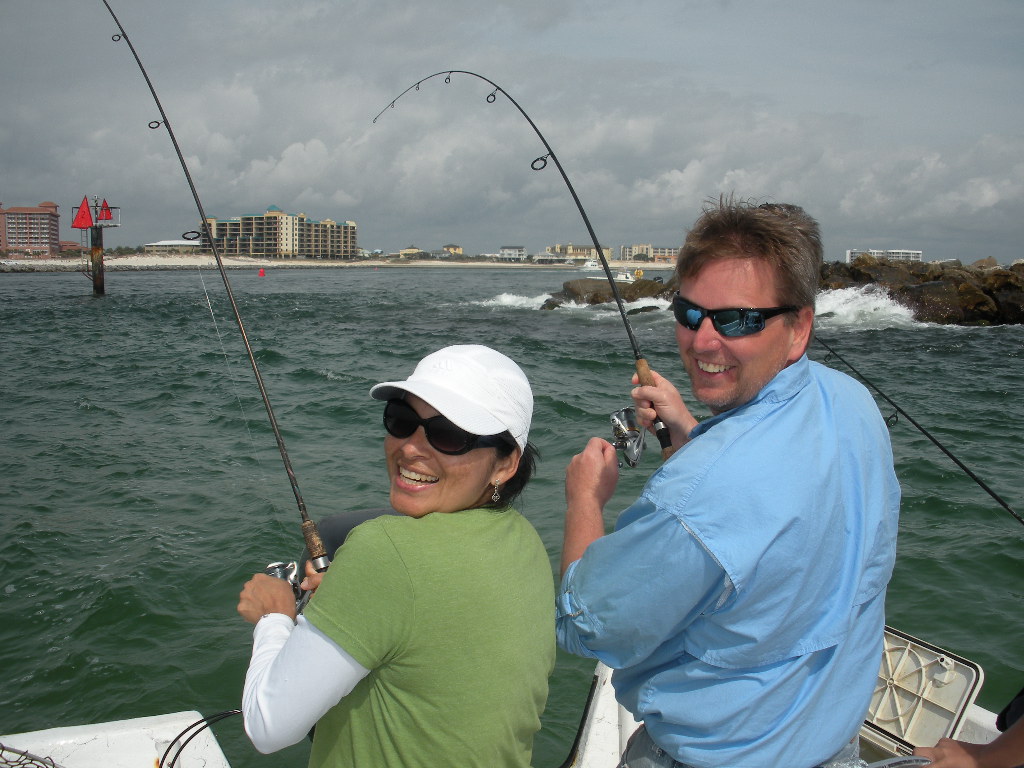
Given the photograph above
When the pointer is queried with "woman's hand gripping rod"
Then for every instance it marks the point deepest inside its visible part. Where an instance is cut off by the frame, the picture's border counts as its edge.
(289, 571)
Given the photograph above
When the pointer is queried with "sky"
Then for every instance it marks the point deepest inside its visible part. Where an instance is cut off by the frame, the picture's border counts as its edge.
(895, 123)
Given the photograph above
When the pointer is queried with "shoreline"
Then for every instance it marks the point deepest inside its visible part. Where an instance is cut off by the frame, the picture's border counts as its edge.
(140, 262)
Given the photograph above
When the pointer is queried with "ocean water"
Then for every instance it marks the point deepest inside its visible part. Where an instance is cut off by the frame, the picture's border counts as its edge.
(142, 485)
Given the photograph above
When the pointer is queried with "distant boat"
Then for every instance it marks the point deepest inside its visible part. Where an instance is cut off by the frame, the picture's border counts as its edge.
(590, 264)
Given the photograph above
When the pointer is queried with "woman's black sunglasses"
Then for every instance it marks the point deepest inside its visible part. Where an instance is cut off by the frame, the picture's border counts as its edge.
(728, 322)
(401, 420)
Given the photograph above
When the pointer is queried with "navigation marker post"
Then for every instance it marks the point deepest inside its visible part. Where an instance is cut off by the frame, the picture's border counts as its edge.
(95, 219)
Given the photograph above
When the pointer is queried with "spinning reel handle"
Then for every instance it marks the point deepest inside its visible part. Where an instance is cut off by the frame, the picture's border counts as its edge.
(290, 573)
(628, 434)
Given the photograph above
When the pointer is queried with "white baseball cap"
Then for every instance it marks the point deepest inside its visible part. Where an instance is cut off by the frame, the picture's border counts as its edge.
(473, 386)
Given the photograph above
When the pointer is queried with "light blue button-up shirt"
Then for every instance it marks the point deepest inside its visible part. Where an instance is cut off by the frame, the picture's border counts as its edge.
(740, 599)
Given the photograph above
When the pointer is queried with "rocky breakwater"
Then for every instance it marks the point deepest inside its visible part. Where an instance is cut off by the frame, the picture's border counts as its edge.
(596, 290)
(947, 293)
(944, 292)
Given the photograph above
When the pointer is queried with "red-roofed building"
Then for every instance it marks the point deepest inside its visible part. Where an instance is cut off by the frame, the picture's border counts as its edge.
(31, 230)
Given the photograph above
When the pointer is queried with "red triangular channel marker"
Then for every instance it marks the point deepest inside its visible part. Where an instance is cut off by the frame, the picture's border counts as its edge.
(105, 212)
(83, 219)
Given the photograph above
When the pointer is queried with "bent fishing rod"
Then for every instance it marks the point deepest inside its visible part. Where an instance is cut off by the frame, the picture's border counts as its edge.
(643, 370)
(317, 554)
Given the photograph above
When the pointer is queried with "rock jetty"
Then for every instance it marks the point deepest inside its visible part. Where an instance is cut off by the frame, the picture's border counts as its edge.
(947, 292)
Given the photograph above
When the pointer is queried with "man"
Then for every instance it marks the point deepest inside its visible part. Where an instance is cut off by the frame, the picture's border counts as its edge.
(740, 599)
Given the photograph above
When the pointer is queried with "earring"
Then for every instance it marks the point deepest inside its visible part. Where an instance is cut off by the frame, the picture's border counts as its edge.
(495, 496)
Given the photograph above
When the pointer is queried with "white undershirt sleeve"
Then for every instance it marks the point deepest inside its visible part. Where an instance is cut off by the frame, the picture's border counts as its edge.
(295, 675)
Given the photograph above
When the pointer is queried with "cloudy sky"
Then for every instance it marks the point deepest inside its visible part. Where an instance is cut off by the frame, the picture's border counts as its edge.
(896, 123)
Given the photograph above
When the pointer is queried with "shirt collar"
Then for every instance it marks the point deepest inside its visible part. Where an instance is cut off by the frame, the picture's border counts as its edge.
(784, 385)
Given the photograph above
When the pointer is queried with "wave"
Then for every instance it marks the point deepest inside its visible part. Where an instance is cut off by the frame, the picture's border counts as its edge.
(514, 301)
(864, 308)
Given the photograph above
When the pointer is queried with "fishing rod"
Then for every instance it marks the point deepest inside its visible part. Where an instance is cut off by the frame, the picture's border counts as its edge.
(317, 554)
(892, 419)
(643, 370)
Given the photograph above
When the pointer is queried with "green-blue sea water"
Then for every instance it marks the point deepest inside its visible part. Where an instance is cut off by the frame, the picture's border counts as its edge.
(142, 484)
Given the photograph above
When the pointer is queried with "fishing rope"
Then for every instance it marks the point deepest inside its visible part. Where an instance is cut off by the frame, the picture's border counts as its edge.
(309, 532)
(642, 368)
(891, 420)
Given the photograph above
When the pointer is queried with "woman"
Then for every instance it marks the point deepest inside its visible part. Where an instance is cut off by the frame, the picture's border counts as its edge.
(430, 639)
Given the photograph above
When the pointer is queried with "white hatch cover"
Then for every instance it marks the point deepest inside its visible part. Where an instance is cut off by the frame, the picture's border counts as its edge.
(922, 692)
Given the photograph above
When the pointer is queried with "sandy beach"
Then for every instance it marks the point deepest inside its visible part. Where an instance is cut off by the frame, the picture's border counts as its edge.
(192, 261)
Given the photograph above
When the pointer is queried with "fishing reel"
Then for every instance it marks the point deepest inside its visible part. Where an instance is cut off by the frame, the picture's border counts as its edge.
(629, 435)
(294, 572)
(290, 573)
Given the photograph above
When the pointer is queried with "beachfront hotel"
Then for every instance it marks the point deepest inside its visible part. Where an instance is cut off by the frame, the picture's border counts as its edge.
(279, 235)
(30, 230)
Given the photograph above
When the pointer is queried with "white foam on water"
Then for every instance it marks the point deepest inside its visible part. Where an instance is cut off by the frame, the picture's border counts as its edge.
(864, 308)
(514, 301)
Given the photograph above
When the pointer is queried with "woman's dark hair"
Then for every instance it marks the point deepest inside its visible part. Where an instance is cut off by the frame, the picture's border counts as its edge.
(514, 486)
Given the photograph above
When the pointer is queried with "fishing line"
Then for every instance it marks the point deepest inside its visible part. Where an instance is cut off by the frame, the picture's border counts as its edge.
(891, 421)
(318, 555)
(643, 370)
(254, 452)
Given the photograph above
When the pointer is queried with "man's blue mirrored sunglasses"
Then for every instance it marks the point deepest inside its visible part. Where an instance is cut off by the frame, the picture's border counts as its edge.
(728, 322)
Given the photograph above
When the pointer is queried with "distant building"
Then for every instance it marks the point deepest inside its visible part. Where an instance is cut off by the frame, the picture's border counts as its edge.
(551, 258)
(893, 255)
(33, 230)
(512, 253)
(172, 246)
(412, 252)
(279, 235)
(570, 251)
(648, 252)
